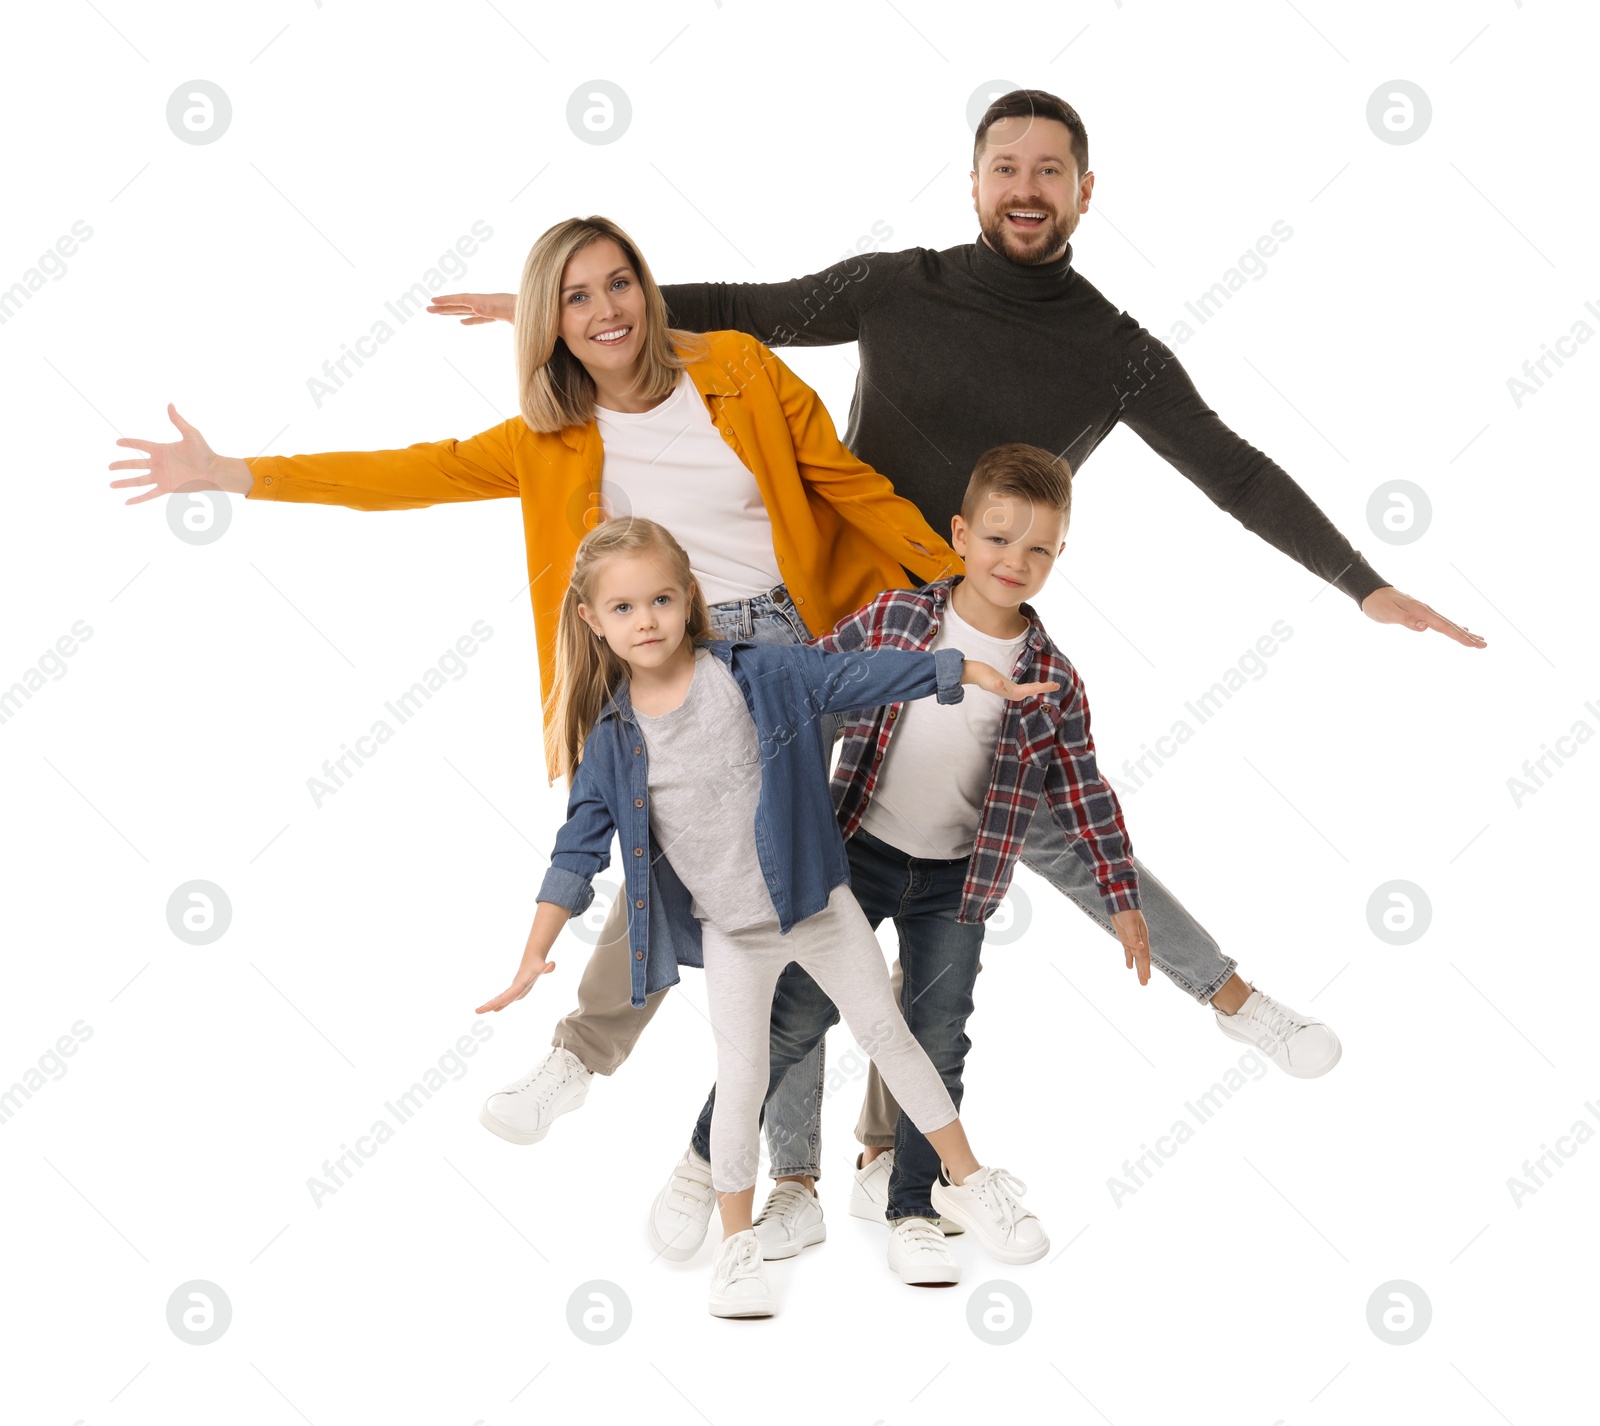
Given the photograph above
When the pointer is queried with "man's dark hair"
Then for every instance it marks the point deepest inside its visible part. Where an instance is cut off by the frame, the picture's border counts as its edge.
(1034, 104)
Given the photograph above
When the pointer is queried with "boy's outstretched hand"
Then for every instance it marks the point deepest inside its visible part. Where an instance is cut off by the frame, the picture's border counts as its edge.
(1135, 938)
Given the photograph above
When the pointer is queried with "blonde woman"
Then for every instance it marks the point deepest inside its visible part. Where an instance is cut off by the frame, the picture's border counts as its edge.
(786, 532)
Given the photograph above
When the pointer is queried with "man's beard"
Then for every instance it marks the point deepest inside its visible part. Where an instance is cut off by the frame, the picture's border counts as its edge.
(1044, 244)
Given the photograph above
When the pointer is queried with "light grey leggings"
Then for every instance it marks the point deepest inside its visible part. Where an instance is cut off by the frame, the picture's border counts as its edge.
(838, 949)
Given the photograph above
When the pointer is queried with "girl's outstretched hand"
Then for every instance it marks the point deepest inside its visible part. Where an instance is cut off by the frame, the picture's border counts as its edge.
(187, 464)
(988, 677)
(1135, 937)
(478, 307)
(530, 970)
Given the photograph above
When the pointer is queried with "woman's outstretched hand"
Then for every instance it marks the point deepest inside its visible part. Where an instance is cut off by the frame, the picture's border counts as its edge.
(988, 677)
(187, 464)
(478, 307)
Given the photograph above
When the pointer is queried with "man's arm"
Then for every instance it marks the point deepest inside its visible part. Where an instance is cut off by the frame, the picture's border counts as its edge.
(1161, 404)
(819, 310)
(1086, 809)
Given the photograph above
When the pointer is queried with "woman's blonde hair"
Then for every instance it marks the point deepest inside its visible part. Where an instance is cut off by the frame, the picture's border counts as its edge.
(587, 671)
(555, 390)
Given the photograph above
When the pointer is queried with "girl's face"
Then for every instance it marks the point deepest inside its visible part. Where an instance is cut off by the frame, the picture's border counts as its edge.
(638, 609)
(602, 309)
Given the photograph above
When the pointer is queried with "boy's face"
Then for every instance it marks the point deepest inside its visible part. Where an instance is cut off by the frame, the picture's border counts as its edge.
(638, 610)
(1010, 547)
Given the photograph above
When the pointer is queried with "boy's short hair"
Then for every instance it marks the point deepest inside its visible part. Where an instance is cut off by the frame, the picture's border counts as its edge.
(1025, 472)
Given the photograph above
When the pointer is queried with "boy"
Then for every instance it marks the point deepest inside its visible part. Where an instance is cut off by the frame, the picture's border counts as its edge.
(934, 810)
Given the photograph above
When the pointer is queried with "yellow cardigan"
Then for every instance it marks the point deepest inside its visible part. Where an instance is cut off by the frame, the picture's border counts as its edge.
(839, 531)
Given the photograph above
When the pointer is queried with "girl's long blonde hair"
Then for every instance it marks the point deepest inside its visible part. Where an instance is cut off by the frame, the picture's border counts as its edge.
(587, 671)
(554, 389)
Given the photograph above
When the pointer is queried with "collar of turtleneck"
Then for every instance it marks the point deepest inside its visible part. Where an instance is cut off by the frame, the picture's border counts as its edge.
(1031, 282)
(1034, 283)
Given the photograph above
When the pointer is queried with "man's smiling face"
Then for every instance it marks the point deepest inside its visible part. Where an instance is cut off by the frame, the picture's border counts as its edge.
(1027, 190)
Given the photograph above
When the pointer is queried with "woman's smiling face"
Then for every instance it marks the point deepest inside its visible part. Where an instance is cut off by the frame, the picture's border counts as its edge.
(602, 309)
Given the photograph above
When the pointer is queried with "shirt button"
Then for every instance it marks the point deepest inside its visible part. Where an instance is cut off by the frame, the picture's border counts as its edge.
(799, 599)
(638, 851)
(894, 712)
(638, 955)
(639, 904)
(877, 757)
(638, 802)
(636, 748)
(780, 557)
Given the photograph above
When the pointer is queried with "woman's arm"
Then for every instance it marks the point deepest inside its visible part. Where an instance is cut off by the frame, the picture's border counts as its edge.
(863, 496)
(481, 468)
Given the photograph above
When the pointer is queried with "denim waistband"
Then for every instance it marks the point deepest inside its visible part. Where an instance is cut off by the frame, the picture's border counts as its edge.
(775, 600)
(888, 849)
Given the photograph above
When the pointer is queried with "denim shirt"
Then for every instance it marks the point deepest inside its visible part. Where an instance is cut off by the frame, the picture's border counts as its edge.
(798, 843)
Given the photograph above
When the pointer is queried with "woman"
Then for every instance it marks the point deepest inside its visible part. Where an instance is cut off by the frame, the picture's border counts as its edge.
(713, 437)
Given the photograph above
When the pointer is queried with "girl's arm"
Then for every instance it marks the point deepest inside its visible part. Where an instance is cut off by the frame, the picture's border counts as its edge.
(867, 678)
(481, 468)
(582, 849)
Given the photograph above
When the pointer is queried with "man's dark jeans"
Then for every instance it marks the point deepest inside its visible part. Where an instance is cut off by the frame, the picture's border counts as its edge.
(938, 966)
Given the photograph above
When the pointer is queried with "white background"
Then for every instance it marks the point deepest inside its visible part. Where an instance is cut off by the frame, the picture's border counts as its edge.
(765, 140)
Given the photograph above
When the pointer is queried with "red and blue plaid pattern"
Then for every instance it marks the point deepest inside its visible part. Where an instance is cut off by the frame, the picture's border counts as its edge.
(1044, 749)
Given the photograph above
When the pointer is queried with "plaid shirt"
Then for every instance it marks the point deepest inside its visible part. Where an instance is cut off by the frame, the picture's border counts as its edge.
(1043, 747)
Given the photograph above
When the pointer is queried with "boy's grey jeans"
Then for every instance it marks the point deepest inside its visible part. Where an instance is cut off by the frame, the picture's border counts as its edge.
(604, 1028)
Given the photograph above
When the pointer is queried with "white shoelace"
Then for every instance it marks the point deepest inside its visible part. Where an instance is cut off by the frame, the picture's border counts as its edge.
(785, 1204)
(920, 1235)
(1002, 1189)
(745, 1260)
(1278, 1020)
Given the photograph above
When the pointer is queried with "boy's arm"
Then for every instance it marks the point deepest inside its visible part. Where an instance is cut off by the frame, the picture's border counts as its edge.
(1086, 809)
(483, 467)
(583, 845)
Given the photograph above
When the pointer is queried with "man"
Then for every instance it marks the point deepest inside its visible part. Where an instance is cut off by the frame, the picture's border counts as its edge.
(997, 341)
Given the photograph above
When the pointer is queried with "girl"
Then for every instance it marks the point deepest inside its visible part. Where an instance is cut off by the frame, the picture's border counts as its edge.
(707, 757)
(785, 529)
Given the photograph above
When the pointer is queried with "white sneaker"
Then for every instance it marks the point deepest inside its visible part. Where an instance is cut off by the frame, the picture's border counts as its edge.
(1297, 1044)
(869, 1197)
(738, 1285)
(987, 1205)
(682, 1209)
(524, 1110)
(918, 1253)
(792, 1220)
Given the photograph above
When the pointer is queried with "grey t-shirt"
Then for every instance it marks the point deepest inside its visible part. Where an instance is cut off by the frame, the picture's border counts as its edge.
(704, 778)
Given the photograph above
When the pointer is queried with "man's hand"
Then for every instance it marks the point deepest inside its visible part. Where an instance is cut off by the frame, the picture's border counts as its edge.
(1389, 606)
(479, 306)
(1135, 938)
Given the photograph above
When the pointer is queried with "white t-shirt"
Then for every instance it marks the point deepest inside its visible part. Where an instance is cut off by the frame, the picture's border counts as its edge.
(672, 465)
(931, 786)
